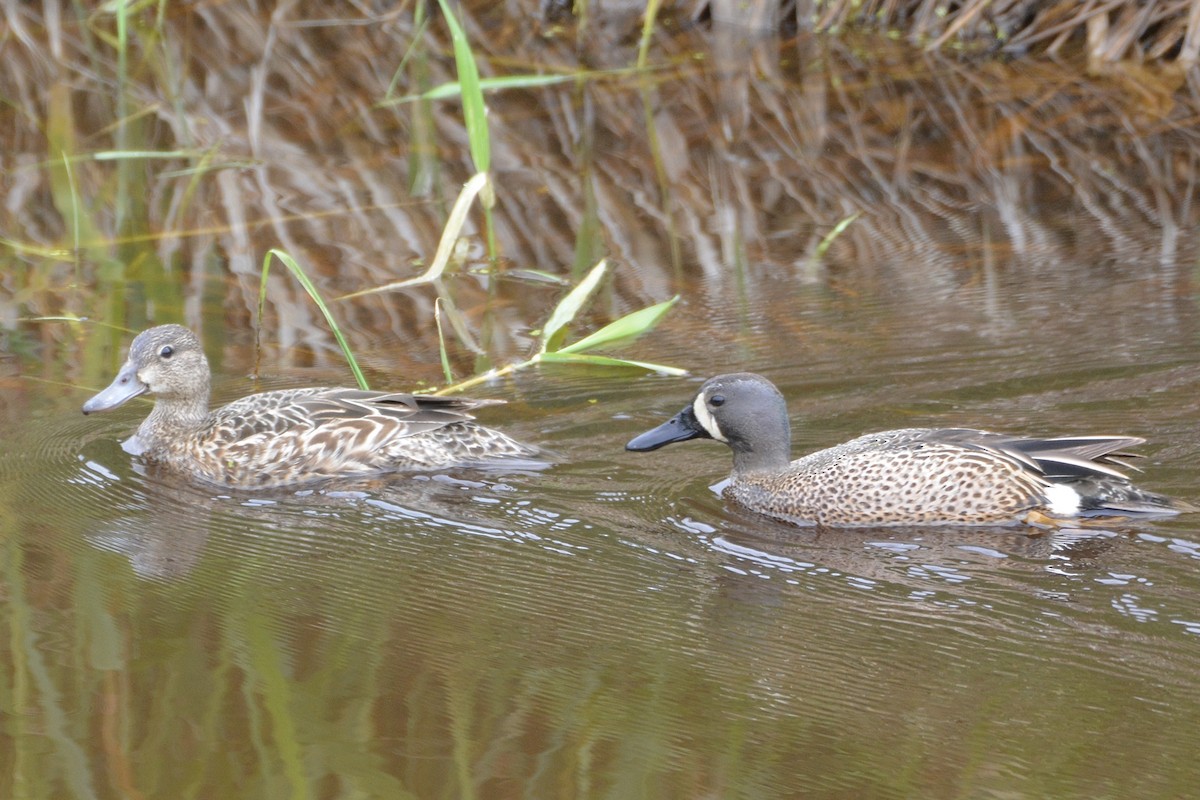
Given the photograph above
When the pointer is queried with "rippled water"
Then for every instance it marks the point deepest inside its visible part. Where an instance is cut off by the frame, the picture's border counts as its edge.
(607, 626)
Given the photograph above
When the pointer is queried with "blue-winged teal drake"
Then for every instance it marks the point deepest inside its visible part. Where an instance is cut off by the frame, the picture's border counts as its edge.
(286, 437)
(911, 476)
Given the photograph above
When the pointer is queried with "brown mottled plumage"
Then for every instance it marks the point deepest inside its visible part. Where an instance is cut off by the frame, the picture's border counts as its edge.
(290, 436)
(911, 476)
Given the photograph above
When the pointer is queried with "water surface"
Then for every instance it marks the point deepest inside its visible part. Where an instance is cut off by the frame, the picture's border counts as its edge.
(607, 626)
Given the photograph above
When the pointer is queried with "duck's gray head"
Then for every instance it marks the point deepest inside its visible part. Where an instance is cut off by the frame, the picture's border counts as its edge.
(166, 361)
(743, 410)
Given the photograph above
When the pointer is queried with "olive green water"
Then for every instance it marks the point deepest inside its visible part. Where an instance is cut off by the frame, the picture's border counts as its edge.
(605, 627)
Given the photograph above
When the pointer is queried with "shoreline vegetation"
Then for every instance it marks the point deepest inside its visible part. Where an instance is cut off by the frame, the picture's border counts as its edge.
(1146, 31)
(147, 180)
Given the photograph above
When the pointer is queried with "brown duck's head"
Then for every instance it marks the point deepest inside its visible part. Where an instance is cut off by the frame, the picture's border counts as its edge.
(166, 361)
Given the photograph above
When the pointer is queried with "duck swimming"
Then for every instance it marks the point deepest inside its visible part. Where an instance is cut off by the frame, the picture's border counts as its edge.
(291, 436)
(911, 476)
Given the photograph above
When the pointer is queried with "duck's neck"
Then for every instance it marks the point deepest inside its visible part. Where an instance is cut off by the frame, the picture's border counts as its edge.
(174, 418)
(765, 454)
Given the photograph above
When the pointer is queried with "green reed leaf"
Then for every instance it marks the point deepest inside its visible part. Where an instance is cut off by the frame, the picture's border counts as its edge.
(628, 326)
(570, 306)
(298, 273)
(500, 83)
(437, 318)
(132, 155)
(451, 89)
(648, 21)
(833, 234)
(474, 111)
(450, 234)
(559, 357)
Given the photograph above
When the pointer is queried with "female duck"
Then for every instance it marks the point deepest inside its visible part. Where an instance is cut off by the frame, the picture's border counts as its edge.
(286, 437)
(904, 477)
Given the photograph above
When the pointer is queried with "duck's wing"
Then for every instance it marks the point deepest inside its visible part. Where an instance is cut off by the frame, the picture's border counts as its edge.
(416, 413)
(1078, 457)
(1056, 459)
(357, 413)
(1062, 458)
(283, 437)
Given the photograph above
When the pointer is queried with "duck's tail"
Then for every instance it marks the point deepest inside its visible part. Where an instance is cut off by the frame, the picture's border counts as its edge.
(1091, 467)
(1106, 497)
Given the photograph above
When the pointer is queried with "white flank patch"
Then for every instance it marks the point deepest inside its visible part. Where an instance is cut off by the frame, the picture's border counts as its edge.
(705, 418)
(1062, 501)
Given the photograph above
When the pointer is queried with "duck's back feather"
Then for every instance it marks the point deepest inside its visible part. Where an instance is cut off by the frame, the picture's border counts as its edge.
(287, 436)
(948, 475)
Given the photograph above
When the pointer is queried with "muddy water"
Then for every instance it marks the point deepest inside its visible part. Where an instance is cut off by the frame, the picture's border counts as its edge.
(607, 626)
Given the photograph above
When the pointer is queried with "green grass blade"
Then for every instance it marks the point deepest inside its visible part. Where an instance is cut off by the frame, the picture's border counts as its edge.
(474, 112)
(499, 83)
(422, 23)
(437, 318)
(648, 21)
(122, 205)
(299, 274)
(262, 301)
(628, 326)
(833, 234)
(607, 361)
(131, 155)
(450, 89)
(567, 308)
(50, 253)
(450, 234)
(458, 322)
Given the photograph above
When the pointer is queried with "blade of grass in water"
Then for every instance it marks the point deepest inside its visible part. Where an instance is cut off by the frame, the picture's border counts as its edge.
(474, 112)
(299, 274)
(475, 116)
(55, 253)
(566, 310)
(458, 322)
(437, 318)
(122, 134)
(555, 329)
(647, 30)
(450, 234)
(628, 326)
(397, 76)
(607, 361)
(450, 89)
(833, 234)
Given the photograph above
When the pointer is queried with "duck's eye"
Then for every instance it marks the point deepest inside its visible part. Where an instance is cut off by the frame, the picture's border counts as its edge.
(166, 352)
(717, 400)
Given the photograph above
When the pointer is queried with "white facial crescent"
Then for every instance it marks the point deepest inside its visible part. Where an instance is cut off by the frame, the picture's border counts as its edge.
(706, 420)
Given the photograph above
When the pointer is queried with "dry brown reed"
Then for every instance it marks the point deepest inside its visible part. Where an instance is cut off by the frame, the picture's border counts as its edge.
(1106, 31)
(727, 163)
